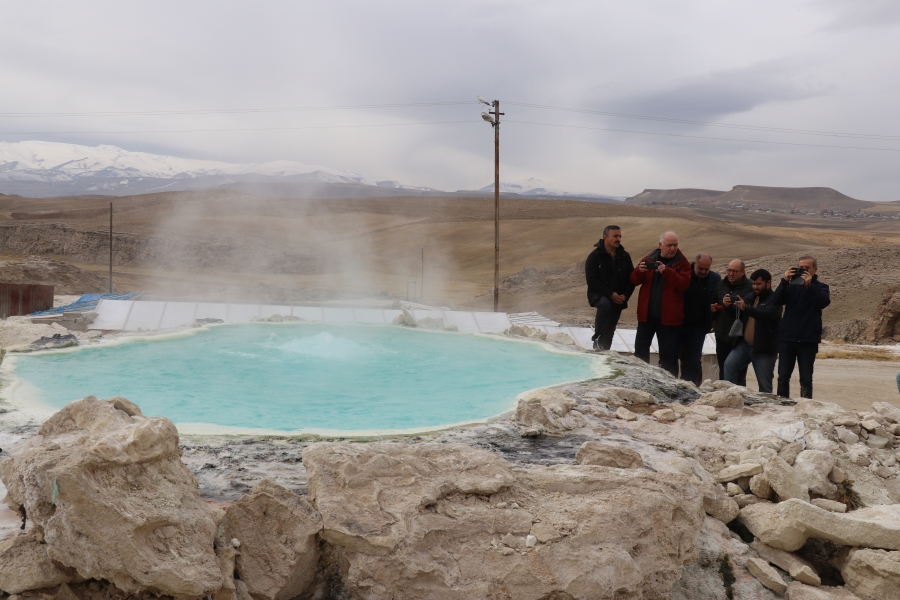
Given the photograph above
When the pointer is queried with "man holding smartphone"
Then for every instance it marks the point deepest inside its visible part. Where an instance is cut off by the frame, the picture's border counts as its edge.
(803, 297)
(664, 275)
(733, 286)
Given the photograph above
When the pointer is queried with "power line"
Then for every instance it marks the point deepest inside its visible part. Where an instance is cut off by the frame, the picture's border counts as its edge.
(226, 110)
(704, 137)
(708, 123)
(236, 129)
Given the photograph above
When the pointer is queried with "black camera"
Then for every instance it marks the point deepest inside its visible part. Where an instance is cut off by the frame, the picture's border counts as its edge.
(797, 279)
(651, 265)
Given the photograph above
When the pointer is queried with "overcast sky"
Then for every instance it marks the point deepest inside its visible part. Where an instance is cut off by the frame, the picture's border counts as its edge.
(816, 65)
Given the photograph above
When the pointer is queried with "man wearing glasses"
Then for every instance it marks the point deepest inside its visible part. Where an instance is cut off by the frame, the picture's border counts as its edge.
(735, 285)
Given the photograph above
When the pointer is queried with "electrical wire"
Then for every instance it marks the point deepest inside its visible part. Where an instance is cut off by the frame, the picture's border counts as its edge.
(706, 123)
(703, 137)
(238, 128)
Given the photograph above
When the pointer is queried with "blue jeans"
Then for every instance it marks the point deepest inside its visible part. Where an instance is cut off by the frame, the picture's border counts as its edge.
(763, 365)
(692, 339)
(898, 382)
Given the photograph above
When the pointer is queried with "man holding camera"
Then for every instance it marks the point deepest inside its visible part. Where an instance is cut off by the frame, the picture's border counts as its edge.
(697, 316)
(733, 286)
(803, 297)
(761, 318)
(663, 275)
(607, 270)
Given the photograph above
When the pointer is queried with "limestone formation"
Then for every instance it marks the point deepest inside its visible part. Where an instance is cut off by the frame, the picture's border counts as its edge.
(608, 455)
(782, 478)
(800, 591)
(718, 504)
(636, 400)
(829, 505)
(625, 414)
(872, 574)
(24, 565)
(888, 411)
(787, 525)
(727, 398)
(107, 488)
(425, 519)
(546, 410)
(767, 576)
(812, 468)
(800, 569)
(277, 531)
(759, 485)
(884, 325)
(737, 471)
(563, 339)
(665, 415)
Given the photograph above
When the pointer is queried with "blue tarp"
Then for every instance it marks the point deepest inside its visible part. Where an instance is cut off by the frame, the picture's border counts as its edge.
(86, 302)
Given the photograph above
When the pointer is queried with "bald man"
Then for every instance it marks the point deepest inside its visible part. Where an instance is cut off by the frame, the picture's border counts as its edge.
(734, 285)
(663, 275)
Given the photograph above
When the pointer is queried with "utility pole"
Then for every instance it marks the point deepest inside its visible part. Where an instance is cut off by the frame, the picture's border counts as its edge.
(423, 275)
(494, 120)
(110, 248)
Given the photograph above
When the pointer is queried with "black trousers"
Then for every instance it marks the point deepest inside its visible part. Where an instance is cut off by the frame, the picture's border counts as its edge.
(723, 349)
(692, 339)
(668, 339)
(605, 322)
(804, 355)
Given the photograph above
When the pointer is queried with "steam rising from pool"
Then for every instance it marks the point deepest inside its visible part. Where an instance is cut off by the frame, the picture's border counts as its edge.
(305, 377)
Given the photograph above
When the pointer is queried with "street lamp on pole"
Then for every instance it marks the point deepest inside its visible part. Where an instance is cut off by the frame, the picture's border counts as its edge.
(494, 119)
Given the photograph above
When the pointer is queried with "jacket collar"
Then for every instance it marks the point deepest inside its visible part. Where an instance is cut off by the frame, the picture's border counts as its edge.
(620, 251)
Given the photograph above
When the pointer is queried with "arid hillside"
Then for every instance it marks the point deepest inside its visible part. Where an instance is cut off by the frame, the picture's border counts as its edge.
(231, 245)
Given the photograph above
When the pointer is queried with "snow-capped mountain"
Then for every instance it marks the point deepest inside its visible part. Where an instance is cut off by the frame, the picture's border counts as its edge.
(536, 187)
(49, 169)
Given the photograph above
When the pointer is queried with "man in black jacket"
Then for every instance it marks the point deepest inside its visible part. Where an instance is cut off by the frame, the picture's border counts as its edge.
(697, 316)
(761, 318)
(803, 297)
(607, 270)
(733, 285)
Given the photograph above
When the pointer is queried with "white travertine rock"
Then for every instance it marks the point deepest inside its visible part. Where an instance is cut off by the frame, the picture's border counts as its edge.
(888, 411)
(829, 505)
(800, 569)
(728, 398)
(24, 565)
(759, 485)
(767, 576)
(790, 452)
(870, 425)
(608, 455)
(787, 525)
(733, 489)
(665, 415)
(619, 396)
(107, 487)
(548, 410)
(846, 436)
(872, 574)
(625, 414)
(561, 338)
(812, 468)
(782, 478)
(737, 471)
(718, 504)
(759, 455)
(748, 499)
(706, 411)
(800, 591)
(837, 475)
(401, 520)
(279, 549)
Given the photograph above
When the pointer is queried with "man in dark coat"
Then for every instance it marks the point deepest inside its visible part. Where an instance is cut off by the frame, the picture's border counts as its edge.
(663, 275)
(803, 297)
(697, 316)
(735, 284)
(607, 270)
(761, 317)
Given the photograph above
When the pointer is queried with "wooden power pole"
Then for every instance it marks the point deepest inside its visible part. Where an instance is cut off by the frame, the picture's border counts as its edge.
(110, 248)
(496, 125)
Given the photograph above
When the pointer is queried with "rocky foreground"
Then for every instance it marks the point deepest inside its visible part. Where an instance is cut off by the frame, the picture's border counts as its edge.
(633, 487)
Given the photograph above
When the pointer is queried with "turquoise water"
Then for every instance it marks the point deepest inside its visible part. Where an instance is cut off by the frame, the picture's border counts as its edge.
(305, 377)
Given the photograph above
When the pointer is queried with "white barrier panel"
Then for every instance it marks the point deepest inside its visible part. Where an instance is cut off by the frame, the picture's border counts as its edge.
(208, 310)
(178, 314)
(145, 316)
(112, 314)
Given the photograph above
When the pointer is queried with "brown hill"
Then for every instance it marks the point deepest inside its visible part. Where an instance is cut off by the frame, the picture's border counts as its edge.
(756, 197)
(677, 196)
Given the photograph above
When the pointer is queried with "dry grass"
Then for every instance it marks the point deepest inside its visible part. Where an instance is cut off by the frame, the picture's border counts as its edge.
(859, 353)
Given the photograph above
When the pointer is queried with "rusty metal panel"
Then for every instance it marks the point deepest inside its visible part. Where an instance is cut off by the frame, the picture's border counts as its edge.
(23, 299)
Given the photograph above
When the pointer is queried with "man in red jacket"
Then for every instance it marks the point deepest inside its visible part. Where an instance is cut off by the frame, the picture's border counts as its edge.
(663, 275)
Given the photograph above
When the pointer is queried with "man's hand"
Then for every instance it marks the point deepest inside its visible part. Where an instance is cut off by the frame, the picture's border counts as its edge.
(617, 298)
(739, 302)
(660, 268)
(807, 278)
(727, 300)
(713, 307)
(642, 267)
(789, 274)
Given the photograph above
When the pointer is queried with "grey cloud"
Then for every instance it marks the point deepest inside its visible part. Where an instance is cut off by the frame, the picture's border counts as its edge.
(724, 92)
(859, 15)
